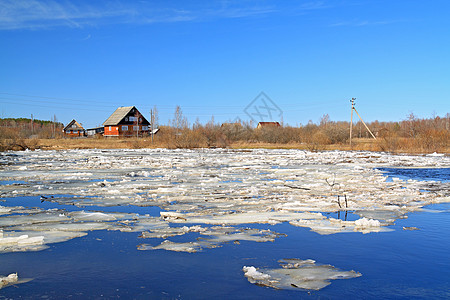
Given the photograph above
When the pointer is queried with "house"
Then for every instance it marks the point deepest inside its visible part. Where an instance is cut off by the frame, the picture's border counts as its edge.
(126, 121)
(268, 124)
(74, 129)
(231, 125)
(95, 131)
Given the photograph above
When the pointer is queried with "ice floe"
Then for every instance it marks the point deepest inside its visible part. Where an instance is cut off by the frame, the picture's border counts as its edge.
(297, 274)
(213, 237)
(211, 194)
(11, 279)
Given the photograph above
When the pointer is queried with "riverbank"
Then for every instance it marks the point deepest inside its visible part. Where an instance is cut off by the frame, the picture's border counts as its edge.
(359, 144)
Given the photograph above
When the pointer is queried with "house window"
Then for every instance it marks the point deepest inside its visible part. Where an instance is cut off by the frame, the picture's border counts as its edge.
(135, 128)
(124, 128)
(132, 119)
(144, 127)
(109, 128)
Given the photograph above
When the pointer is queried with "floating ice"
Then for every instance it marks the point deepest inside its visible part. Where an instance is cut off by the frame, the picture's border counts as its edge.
(171, 246)
(208, 187)
(215, 237)
(253, 275)
(331, 225)
(364, 223)
(435, 154)
(171, 231)
(270, 217)
(11, 279)
(297, 274)
(410, 228)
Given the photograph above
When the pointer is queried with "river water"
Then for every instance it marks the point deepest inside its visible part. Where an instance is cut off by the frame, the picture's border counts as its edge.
(399, 264)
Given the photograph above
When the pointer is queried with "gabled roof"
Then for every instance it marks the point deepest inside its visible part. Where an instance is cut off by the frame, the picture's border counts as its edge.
(263, 124)
(71, 123)
(118, 115)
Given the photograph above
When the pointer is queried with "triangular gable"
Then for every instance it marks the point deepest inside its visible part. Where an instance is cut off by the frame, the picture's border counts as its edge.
(120, 113)
(71, 127)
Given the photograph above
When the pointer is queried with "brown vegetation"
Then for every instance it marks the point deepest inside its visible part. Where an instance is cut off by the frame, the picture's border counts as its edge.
(412, 135)
(22, 134)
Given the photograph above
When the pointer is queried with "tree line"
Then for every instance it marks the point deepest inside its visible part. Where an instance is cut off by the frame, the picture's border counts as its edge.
(413, 134)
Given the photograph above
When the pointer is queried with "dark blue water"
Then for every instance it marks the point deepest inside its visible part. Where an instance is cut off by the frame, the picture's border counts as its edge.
(51, 203)
(438, 174)
(106, 264)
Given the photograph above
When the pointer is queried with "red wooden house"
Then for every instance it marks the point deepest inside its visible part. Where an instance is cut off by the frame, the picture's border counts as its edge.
(126, 121)
(74, 129)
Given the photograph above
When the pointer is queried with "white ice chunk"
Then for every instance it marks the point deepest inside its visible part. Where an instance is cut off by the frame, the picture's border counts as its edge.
(10, 279)
(91, 216)
(331, 225)
(297, 274)
(4, 210)
(435, 154)
(171, 246)
(253, 275)
(364, 223)
(215, 237)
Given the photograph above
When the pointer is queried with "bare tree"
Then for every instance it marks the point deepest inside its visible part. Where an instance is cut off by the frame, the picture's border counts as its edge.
(324, 120)
(155, 117)
(179, 121)
(412, 124)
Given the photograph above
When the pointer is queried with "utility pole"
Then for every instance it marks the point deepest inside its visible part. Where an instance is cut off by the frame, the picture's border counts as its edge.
(351, 121)
(151, 122)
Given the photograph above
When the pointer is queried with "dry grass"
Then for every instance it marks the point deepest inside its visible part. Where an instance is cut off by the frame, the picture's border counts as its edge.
(134, 143)
(93, 143)
(412, 135)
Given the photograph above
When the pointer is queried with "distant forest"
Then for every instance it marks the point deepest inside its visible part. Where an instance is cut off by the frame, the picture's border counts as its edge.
(14, 128)
(412, 134)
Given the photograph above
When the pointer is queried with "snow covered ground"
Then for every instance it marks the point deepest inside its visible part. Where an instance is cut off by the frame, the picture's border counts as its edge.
(205, 191)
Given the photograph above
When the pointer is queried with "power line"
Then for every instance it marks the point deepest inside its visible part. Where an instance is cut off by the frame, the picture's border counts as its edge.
(93, 102)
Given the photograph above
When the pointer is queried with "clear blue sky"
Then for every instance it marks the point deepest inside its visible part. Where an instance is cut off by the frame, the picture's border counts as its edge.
(82, 59)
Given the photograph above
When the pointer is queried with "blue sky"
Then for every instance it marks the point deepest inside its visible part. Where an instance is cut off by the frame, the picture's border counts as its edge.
(82, 59)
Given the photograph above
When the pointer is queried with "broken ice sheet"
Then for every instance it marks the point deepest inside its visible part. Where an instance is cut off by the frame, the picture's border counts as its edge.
(331, 225)
(11, 279)
(19, 241)
(270, 217)
(209, 186)
(164, 232)
(297, 274)
(177, 247)
(215, 237)
(33, 229)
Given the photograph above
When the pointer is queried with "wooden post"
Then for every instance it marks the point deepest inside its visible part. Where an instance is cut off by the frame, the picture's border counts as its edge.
(151, 123)
(351, 121)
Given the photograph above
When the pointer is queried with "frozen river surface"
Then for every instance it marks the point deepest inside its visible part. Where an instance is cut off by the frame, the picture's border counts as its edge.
(224, 224)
